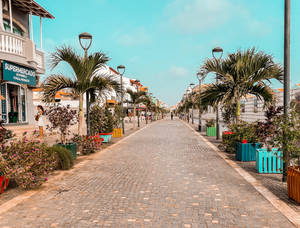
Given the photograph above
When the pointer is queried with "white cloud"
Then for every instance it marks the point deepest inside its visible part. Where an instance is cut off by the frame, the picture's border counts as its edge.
(135, 37)
(178, 71)
(198, 15)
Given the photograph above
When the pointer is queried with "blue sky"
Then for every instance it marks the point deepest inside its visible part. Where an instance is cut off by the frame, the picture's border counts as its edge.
(164, 42)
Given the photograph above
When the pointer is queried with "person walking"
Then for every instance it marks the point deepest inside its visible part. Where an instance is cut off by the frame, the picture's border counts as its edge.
(172, 115)
(39, 118)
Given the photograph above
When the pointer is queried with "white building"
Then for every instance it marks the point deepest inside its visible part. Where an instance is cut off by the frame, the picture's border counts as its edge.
(21, 62)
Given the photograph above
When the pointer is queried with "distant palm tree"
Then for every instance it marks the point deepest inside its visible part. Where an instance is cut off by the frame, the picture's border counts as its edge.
(135, 99)
(241, 73)
(147, 101)
(86, 78)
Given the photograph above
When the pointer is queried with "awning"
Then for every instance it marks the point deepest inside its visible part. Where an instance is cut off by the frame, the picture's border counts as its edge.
(112, 102)
(31, 6)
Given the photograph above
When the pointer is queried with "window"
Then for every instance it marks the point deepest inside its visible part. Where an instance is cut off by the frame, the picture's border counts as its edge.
(255, 106)
(16, 29)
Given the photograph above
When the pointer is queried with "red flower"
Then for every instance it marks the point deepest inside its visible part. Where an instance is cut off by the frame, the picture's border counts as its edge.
(244, 141)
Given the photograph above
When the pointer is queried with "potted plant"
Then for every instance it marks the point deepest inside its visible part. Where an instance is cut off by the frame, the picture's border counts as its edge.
(270, 133)
(88, 145)
(244, 140)
(210, 128)
(287, 138)
(117, 118)
(102, 122)
(61, 118)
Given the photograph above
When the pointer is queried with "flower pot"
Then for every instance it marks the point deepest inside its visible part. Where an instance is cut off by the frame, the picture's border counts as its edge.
(293, 183)
(71, 147)
(269, 161)
(3, 183)
(106, 137)
(118, 132)
(211, 131)
(246, 151)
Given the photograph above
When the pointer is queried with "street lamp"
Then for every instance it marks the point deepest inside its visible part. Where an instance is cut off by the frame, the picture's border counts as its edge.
(85, 40)
(215, 52)
(200, 76)
(151, 94)
(121, 71)
(286, 81)
(191, 87)
(137, 90)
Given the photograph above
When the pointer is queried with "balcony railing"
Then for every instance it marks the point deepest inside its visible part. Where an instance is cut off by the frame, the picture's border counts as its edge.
(21, 50)
(11, 43)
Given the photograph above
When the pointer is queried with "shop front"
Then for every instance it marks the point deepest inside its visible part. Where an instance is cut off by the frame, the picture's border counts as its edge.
(17, 82)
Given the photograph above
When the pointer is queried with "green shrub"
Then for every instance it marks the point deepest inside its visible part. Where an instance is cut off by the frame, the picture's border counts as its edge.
(210, 123)
(88, 145)
(65, 157)
(241, 131)
(28, 162)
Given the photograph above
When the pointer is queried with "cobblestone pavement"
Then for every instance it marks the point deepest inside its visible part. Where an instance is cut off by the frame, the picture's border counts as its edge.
(164, 176)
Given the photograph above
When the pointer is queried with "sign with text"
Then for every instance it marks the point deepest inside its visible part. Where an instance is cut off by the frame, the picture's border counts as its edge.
(20, 74)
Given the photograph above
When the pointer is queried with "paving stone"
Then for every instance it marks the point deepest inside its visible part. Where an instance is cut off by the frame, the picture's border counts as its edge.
(142, 182)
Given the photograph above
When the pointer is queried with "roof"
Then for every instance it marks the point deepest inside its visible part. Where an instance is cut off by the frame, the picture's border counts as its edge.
(113, 70)
(32, 6)
(112, 102)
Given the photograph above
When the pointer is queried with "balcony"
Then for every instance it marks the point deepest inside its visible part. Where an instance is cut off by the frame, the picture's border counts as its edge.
(22, 51)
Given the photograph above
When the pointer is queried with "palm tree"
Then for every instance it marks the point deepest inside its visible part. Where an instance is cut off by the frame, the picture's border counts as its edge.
(241, 73)
(135, 98)
(86, 77)
(147, 101)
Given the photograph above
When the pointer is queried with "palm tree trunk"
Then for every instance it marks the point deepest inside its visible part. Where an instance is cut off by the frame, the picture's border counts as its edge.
(80, 114)
(134, 115)
(238, 111)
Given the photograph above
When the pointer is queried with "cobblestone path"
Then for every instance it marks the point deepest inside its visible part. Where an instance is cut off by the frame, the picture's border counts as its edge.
(164, 176)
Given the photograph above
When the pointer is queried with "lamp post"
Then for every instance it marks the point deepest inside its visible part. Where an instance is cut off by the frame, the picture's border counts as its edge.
(191, 87)
(121, 71)
(137, 90)
(200, 76)
(184, 100)
(150, 94)
(215, 51)
(286, 96)
(85, 40)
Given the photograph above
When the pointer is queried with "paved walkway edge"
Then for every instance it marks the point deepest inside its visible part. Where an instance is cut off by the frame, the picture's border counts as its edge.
(28, 194)
(285, 209)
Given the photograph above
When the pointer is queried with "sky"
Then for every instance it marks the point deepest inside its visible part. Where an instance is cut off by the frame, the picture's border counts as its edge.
(163, 43)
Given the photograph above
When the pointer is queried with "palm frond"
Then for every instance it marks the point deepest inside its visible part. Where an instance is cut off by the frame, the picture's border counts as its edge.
(55, 83)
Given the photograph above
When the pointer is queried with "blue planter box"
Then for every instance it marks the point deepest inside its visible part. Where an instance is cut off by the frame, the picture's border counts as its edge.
(246, 151)
(269, 161)
(106, 137)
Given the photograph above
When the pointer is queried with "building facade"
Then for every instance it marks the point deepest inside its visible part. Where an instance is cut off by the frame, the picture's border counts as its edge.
(21, 62)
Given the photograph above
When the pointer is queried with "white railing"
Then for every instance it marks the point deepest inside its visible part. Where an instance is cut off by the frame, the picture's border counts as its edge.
(11, 43)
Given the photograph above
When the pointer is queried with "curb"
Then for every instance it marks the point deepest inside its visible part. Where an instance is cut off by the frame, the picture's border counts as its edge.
(281, 206)
(28, 194)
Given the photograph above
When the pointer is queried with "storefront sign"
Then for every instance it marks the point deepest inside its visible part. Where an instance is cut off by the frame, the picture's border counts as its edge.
(16, 73)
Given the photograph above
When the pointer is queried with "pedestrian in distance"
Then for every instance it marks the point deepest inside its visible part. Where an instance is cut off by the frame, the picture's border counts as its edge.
(40, 120)
(171, 115)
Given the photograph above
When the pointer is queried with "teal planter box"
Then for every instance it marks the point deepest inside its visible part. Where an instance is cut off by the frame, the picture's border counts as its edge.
(269, 161)
(106, 137)
(71, 147)
(211, 131)
(246, 151)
